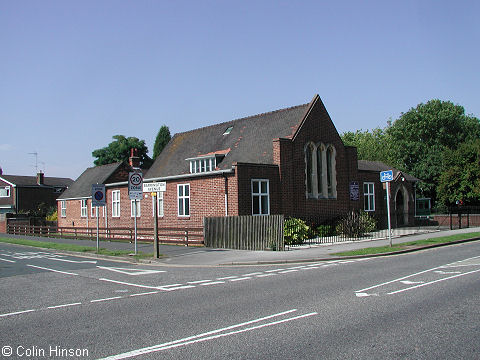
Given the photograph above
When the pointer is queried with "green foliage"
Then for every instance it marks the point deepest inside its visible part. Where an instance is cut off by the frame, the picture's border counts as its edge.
(356, 224)
(420, 138)
(371, 145)
(162, 139)
(119, 150)
(295, 231)
(52, 215)
(325, 230)
(461, 178)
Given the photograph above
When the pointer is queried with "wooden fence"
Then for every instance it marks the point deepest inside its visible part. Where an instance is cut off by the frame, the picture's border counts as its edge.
(166, 235)
(244, 232)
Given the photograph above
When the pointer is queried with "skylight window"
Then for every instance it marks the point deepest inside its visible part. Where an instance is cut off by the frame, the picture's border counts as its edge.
(228, 131)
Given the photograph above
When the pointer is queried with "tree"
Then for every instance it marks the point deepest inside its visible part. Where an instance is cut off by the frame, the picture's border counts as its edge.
(119, 150)
(370, 145)
(420, 138)
(162, 139)
(461, 178)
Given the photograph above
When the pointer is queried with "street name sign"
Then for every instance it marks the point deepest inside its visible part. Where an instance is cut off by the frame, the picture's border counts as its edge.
(386, 176)
(155, 187)
(98, 195)
(135, 185)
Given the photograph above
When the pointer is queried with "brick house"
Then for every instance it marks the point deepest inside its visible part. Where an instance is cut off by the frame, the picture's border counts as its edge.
(21, 194)
(290, 161)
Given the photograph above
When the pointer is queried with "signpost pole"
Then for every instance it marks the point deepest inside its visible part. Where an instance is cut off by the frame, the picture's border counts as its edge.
(156, 253)
(98, 240)
(135, 216)
(388, 212)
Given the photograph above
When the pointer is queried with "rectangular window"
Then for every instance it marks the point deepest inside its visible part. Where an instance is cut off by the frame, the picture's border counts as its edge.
(94, 211)
(368, 197)
(5, 191)
(159, 204)
(63, 208)
(83, 208)
(183, 192)
(116, 203)
(132, 208)
(260, 197)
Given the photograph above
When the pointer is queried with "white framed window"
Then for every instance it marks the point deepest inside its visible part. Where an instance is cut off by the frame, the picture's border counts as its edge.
(260, 197)
(159, 204)
(116, 203)
(183, 195)
(368, 196)
(202, 165)
(63, 208)
(83, 208)
(5, 191)
(132, 208)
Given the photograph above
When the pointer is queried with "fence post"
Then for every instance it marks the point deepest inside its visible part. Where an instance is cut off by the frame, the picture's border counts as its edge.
(186, 237)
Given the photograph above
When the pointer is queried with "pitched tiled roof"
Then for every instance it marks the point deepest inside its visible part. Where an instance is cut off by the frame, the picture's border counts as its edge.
(377, 166)
(20, 180)
(82, 187)
(249, 141)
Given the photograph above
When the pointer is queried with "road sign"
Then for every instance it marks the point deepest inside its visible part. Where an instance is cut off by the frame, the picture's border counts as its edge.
(135, 185)
(155, 187)
(98, 195)
(386, 176)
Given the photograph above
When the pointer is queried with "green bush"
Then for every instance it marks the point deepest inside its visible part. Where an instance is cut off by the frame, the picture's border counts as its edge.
(325, 230)
(356, 224)
(295, 231)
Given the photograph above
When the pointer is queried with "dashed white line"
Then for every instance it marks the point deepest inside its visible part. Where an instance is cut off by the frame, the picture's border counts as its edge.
(131, 284)
(198, 281)
(252, 274)
(64, 305)
(17, 313)
(241, 279)
(145, 293)
(227, 278)
(212, 283)
(275, 270)
(10, 261)
(287, 271)
(106, 299)
(265, 275)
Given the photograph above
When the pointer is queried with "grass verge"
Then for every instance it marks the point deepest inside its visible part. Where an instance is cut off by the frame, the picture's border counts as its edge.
(72, 247)
(409, 245)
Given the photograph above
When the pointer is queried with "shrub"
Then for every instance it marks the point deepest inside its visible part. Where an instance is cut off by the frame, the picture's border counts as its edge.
(356, 224)
(295, 231)
(325, 230)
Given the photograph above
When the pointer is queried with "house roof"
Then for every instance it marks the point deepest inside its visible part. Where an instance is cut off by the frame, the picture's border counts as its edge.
(19, 180)
(82, 187)
(377, 166)
(249, 141)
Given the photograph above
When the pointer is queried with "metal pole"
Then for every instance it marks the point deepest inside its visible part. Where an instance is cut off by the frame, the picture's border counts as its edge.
(156, 253)
(135, 215)
(388, 212)
(98, 241)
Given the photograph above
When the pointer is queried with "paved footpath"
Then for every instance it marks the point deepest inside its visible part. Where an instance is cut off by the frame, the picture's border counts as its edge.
(201, 256)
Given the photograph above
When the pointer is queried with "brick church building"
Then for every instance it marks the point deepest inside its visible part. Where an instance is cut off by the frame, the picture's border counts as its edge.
(290, 161)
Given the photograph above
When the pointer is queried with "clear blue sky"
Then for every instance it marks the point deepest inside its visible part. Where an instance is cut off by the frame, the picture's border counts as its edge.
(75, 73)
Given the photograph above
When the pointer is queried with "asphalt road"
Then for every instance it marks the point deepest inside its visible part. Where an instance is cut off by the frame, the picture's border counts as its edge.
(422, 305)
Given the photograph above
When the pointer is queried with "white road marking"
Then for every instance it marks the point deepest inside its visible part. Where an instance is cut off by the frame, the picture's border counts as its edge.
(64, 305)
(48, 269)
(212, 283)
(74, 261)
(408, 282)
(447, 272)
(136, 285)
(362, 294)
(241, 279)
(199, 281)
(17, 313)
(432, 282)
(265, 275)
(252, 274)
(275, 270)
(287, 271)
(187, 340)
(106, 299)
(10, 261)
(227, 278)
(131, 271)
(145, 293)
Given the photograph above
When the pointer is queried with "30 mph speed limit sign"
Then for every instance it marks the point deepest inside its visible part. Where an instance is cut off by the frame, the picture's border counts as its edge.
(135, 185)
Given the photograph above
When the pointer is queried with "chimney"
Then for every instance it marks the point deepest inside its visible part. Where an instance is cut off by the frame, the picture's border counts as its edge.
(40, 178)
(134, 160)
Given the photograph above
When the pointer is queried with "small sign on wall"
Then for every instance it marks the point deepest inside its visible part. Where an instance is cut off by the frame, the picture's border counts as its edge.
(354, 191)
